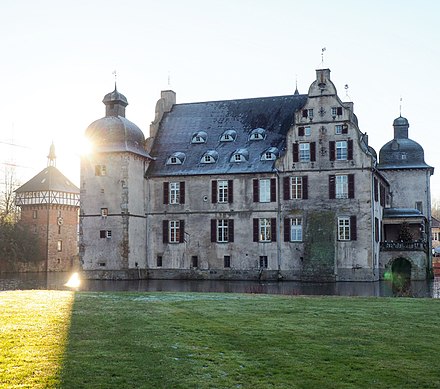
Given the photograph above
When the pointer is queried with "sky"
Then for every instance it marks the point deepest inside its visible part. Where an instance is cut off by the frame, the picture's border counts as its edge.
(58, 57)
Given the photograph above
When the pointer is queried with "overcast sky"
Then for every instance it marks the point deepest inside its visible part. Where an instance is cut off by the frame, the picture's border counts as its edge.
(57, 60)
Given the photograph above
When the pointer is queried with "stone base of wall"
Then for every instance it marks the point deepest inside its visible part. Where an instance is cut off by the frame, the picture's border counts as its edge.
(353, 274)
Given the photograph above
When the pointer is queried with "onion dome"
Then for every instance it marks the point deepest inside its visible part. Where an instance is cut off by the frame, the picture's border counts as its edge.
(402, 152)
(115, 133)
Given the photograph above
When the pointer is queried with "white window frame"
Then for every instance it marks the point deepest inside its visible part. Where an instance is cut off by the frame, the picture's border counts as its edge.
(341, 186)
(341, 150)
(296, 187)
(222, 231)
(304, 152)
(296, 231)
(338, 129)
(59, 245)
(174, 192)
(344, 228)
(174, 231)
(222, 191)
(238, 157)
(264, 230)
(264, 190)
(307, 131)
(310, 113)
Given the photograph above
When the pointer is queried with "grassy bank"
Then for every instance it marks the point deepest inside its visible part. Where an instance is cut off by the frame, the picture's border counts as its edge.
(184, 340)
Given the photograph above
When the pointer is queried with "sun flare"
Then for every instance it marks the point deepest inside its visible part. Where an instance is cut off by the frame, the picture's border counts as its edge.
(74, 281)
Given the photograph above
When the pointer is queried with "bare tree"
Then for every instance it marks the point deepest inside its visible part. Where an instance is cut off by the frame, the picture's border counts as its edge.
(8, 209)
(435, 208)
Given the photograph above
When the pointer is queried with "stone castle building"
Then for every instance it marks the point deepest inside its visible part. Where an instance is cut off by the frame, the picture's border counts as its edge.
(282, 187)
(49, 205)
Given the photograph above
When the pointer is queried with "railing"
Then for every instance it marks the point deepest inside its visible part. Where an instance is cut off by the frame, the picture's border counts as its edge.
(417, 245)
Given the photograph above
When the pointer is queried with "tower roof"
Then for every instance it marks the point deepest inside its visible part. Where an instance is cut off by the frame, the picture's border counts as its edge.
(49, 179)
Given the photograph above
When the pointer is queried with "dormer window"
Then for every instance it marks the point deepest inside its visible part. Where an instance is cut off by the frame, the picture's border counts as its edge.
(240, 155)
(228, 136)
(257, 134)
(199, 137)
(176, 158)
(270, 154)
(210, 156)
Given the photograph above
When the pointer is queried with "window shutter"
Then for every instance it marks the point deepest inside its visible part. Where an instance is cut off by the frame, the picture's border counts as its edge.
(300, 131)
(286, 188)
(305, 187)
(286, 230)
(350, 149)
(305, 113)
(230, 191)
(332, 150)
(213, 230)
(339, 111)
(231, 230)
(376, 229)
(166, 192)
(165, 231)
(351, 186)
(181, 231)
(182, 193)
(345, 128)
(295, 151)
(273, 229)
(214, 192)
(255, 189)
(353, 228)
(331, 187)
(273, 189)
(376, 190)
(255, 231)
(382, 195)
(313, 151)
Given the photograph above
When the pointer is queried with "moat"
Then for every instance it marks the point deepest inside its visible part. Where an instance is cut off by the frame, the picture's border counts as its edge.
(57, 281)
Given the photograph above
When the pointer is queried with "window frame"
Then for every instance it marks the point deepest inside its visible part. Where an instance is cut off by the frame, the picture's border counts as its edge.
(174, 193)
(296, 188)
(341, 186)
(222, 191)
(341, 148)
(296, 229)
(174, 231)
(304, 152)
(264, 192)
(344, 229)
(264, 230)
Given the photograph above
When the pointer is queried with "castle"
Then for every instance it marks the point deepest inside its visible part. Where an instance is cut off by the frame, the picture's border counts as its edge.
(283, 187)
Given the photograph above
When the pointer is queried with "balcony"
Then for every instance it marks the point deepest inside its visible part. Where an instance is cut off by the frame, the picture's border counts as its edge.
(417, 245)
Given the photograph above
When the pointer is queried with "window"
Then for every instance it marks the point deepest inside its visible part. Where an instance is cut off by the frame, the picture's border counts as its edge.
(240, 155)
(104, 212)
(222, 230)
(222, 191)
(264, 190)
(268, 156)
(105, 234)
(376, 189)
(228, 136)
(59, 245)
(210, 156)
(227, 261)
(257, 134)
(174, 192)
(263, 261)
(176, 158)
(295, 188)
(293, 231)
(34, 214)
(238, 158)
(419, 206)
(264, 230)
(310, 113)
(173, 231)
(100, 170)
(376, 230)
(159, 261)
(304, 131)
(338, 129)
(304, 152)
(199, 137)
(341, 186)
(194, 261)
(341, 150)
(347, 228)
(208, 159)
(336, 111)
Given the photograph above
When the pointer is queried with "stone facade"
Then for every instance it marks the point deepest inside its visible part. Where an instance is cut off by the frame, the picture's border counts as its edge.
(282, 187)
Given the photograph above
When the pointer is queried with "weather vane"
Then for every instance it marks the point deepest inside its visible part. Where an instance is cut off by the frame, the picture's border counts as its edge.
(322, 55)
(400, 107)
(115, 74)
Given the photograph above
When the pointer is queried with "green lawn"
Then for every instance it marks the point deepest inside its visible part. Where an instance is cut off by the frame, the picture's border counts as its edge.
(190, 340)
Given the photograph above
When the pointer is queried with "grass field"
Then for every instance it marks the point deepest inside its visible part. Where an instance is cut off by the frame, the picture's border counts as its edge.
(54, 339)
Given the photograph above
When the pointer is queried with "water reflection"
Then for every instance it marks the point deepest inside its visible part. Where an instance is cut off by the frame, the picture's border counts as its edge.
(57, 281)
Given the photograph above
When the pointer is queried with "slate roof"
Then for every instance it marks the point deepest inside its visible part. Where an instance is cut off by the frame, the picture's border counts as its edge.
(402, 213)
(51, 179)
(274, 115)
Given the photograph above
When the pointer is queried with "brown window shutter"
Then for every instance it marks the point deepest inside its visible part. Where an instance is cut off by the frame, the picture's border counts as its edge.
(255, 230)
(181, 231)
(300, 131)
(339, 111)
(351, 186)
(214, 192)
(166, 192)
(286, 188)
(231, 230)
(255, 188)
(230, 191)
(286, 229)
(382, 195)
(332, 150)
(295, 151)
(350, 149)
(353, 228)
(313, 151)
(305, 187)
(273, 229)
(331, 187)
(305, 113)
(213, 230)
(345, 128)
(182, 193)
(273, 189)
(165, 231)
(376, 189)
(376, 229)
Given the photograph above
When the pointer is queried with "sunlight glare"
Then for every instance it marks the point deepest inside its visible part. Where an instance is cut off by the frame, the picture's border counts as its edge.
(74, 281)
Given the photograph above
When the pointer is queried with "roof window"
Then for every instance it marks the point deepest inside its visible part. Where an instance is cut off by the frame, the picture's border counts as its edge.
(270, 154)
(176, 158)
(210, 156)
(257, 134)
(240, 155)
(228, 136)
(199, 137)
